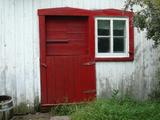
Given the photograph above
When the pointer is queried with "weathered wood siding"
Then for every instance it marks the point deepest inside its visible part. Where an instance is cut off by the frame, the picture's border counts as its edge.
(137, 78)
(19, 53)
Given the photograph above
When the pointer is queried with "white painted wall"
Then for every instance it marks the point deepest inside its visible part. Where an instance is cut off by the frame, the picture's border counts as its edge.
(137, 78)
(19, 52)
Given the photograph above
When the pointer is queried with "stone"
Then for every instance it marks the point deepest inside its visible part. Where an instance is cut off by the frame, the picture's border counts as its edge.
(60, 118)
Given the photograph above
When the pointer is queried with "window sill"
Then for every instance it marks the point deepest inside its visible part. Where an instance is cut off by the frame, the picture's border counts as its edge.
(119, 59)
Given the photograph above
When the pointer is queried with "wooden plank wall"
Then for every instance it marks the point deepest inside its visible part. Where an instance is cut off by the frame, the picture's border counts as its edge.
(19, 53)
(138, 78)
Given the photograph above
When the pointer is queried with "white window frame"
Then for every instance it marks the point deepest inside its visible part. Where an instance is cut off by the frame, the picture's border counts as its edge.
(111, 54)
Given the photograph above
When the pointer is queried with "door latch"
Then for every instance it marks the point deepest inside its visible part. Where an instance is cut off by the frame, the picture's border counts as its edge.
(89, 91)
(89, 63)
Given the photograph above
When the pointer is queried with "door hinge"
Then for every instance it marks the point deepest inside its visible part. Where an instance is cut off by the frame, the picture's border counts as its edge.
(89, 91)
(89, 63)
(44, 65)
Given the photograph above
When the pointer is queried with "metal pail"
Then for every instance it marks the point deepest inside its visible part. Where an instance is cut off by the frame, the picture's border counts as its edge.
(6, 107)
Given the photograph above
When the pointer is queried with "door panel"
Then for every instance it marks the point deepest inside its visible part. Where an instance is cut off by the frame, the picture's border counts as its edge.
(71, 32)
(70, 72)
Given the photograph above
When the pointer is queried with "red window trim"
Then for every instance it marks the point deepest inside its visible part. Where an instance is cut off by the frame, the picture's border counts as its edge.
(118, 13)
(67, 11)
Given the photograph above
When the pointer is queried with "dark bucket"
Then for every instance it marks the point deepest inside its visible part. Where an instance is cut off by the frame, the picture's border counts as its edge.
(6, 107)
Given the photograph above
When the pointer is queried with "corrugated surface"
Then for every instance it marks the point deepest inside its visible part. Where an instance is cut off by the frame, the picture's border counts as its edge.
(19, 53)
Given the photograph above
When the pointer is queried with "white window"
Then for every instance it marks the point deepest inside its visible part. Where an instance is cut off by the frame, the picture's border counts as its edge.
(111, 37)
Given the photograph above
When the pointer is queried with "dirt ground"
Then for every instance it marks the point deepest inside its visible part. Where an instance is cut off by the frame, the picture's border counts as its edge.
(39, 116)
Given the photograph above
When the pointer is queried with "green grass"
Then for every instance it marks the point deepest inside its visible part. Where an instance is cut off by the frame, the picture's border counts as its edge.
(118, 110)
(62, 110)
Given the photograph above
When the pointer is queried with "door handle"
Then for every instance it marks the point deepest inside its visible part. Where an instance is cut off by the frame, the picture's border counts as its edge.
(89, 63)
(44, 65)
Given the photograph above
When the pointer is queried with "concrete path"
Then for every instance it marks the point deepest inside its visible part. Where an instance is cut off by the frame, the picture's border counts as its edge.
(40, 116)
(60, 118)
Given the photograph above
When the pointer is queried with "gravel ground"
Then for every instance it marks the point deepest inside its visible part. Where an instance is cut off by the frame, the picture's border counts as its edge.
(40, 116)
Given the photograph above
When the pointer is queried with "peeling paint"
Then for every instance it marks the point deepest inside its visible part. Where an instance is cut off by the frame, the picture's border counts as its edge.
(105, 89)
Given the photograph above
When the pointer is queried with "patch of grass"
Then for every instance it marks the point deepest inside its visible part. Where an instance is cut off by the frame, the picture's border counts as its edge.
(115, 109)
(61, 110)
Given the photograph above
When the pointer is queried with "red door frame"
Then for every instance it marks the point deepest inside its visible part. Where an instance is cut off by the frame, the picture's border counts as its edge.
(42, 31)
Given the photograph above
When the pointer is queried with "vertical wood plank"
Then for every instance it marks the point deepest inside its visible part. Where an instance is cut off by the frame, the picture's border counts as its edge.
(20, 74)
(9, 48)
(28, 51)
(36, 50)
(58, 3)
(45, 3)
(50, 80)
(43, 58)
(2, 50)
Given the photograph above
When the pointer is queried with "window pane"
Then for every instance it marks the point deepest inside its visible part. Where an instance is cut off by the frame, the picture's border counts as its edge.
(118, 45)
(119, 27)
(103, 45)
(104, 27)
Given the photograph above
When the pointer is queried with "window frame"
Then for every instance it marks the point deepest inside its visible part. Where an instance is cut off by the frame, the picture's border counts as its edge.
(111, 54)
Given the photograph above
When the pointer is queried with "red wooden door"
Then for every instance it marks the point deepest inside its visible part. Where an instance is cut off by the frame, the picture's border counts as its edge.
(70, 70)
